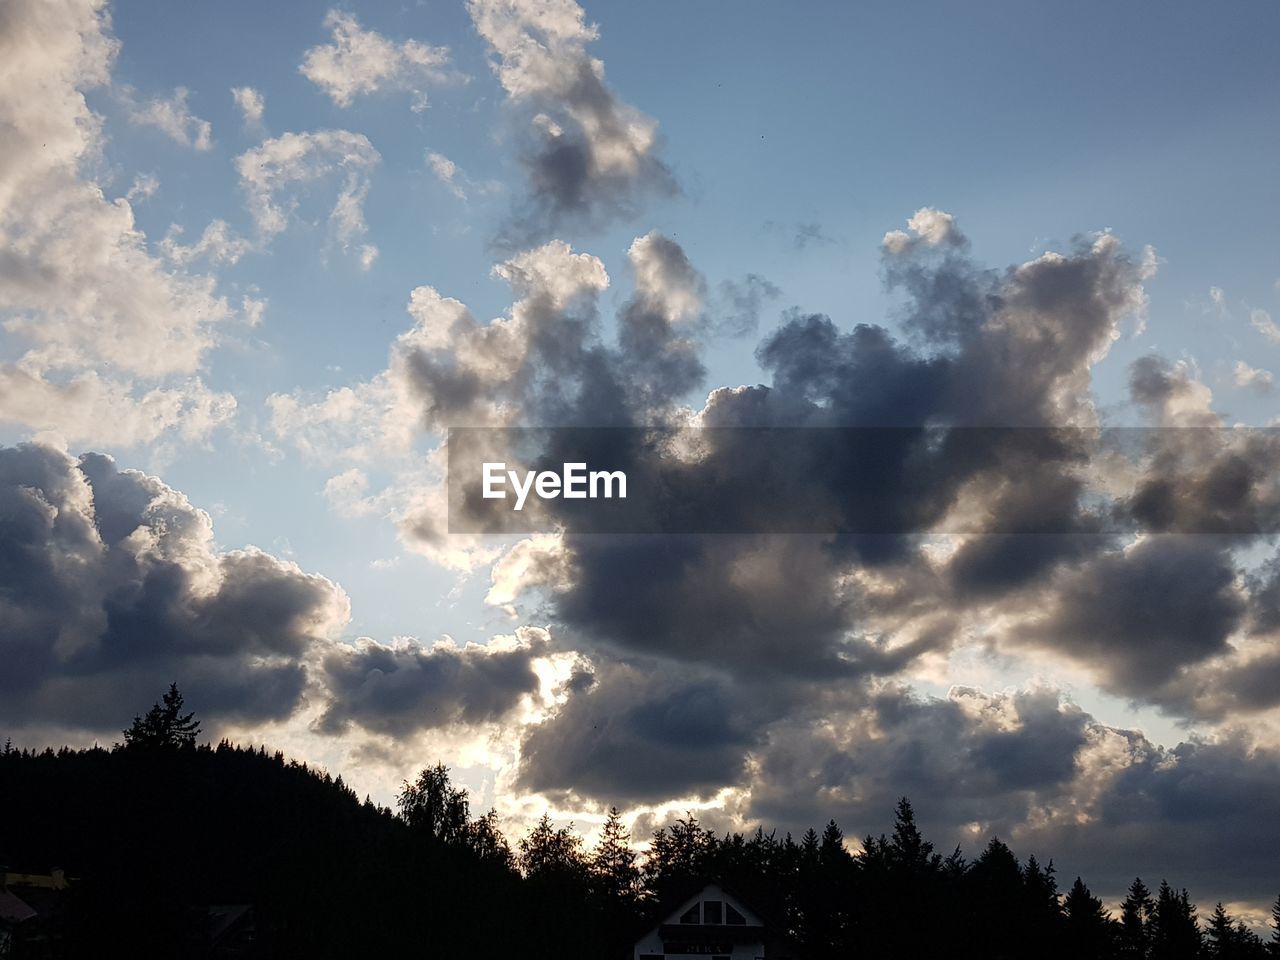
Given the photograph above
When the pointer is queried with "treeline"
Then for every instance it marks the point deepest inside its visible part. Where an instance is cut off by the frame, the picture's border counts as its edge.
(158, 828)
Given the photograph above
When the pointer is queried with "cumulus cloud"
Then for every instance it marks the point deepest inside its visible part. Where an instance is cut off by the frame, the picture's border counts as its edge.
(1252, 378)
(589, 156)
(1036, 770)
(274, 174)
(252, 104)
(173, 117)
(360, 62)
(403, 687)
(115, 588)
(84, 306)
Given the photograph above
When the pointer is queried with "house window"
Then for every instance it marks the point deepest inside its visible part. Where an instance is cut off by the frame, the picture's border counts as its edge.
(733, 916)
(690, 915)
(711, 911)
(652, 956)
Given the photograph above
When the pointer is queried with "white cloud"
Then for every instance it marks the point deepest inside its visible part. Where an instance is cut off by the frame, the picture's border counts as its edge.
(252, 104)
(90, 408)
(1252, 378)
(446, 172)
(272, 172)
(217, 244)
(84, 307)
(360, 61)
(1263, 323)
(144, 187)
(174, 118)
(929, 227)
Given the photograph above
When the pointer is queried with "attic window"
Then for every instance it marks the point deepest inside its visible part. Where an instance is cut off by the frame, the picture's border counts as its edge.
(733, 916)
(690, 915)
(711, 911)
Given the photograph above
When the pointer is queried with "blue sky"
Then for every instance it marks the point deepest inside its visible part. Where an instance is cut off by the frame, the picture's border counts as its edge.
(789, 141)
(1031, 127)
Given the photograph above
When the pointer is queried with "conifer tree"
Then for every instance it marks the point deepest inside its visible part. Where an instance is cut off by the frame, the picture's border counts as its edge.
(1135, 921)
(613, 862)
(165, 725)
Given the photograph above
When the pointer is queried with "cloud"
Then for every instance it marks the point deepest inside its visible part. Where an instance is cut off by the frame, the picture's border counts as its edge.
(589, 157)
(89, 407)
(403, 687)
(217, 244)
(252, 104)
(172, 117)
(740, 304)
(273, 173)
(1262, 322)
(115, 588)
(360, 62)
(1252, 378)
(1034, 769)
(82, 301)
(639, 733)
(446, 171)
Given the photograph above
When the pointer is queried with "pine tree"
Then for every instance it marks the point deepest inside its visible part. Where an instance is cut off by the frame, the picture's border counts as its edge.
(1221, 933)
(1135, 921)
(551, 853)
(908, 848)
(613, 863)
(1274, 943)
(1175, 933)
(165, 725)
(1090, 929)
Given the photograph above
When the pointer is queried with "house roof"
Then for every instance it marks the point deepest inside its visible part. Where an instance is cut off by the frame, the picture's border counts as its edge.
(13, 909)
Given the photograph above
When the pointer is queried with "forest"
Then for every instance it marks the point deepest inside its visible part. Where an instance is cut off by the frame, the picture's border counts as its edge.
(158, 829)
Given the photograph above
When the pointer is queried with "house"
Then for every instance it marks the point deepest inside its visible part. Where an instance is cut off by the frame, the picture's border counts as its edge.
(710, 922)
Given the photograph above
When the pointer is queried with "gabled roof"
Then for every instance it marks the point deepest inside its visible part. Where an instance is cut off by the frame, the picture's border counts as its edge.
(13, 909)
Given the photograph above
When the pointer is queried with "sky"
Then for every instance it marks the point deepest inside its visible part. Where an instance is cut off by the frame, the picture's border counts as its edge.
(257, 260)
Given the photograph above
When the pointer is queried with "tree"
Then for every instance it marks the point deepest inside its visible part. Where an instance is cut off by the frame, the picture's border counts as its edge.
(486, 840)
(548, 853)
(1275, 929)
(165, 725)
(1135, 921)
(434, 806)
(1175, 935)
(1090, 929)
(908, 849)
(613, 863)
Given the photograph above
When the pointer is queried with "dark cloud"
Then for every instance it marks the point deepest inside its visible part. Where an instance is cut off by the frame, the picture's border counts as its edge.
(402, 688)
(1043, 775)
(112, 589)
(641, 732)
(1140, 616)
(740, 303)
(590, 157)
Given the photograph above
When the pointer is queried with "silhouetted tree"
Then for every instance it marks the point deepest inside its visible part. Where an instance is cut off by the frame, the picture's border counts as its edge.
(683, 851)
(612, 864)
(486, 841)
(1090, 931)
(1135, 921)
(1175, 934)
(1274, 943)
(436, 808)
(548, 853)
(165, 725)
